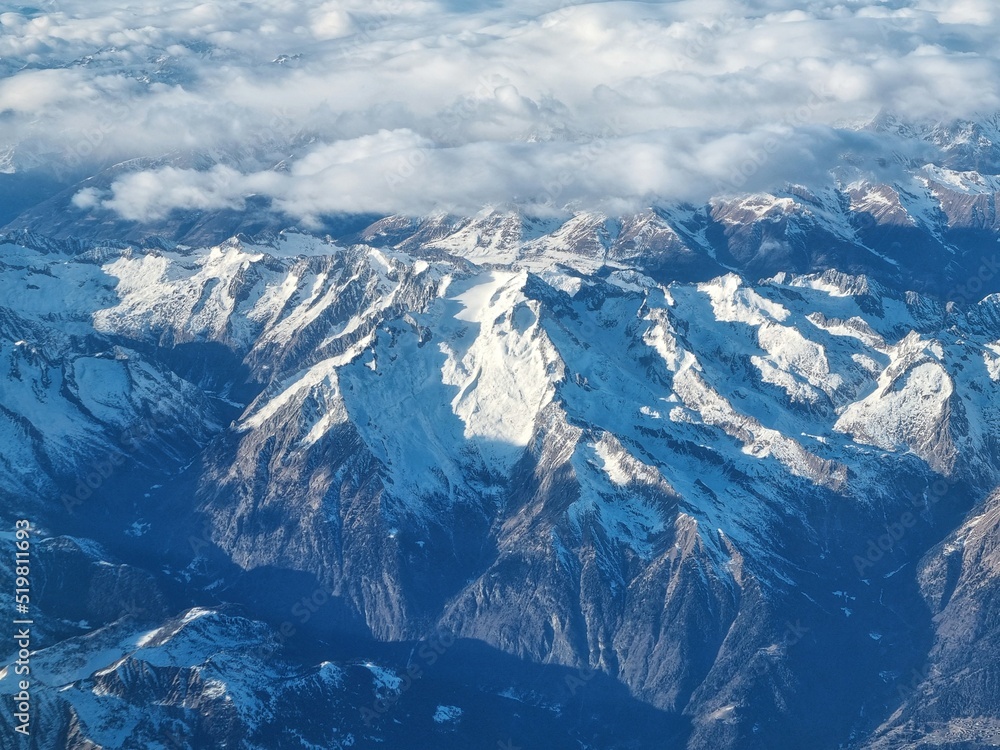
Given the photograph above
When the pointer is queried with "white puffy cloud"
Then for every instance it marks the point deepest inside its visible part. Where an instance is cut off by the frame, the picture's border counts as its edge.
(412, 105)
(150, 195)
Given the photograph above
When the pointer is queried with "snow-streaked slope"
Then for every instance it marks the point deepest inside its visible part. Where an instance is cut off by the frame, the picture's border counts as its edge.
(200, 678)
(72, 396)
(772, 378)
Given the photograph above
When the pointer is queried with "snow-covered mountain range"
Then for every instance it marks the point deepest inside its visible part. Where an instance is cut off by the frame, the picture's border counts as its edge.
(716, 476)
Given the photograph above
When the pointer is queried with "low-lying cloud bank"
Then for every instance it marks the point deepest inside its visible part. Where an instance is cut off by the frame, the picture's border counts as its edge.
(412, 106)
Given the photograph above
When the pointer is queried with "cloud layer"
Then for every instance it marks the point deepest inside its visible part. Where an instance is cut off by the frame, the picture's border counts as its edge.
(414, 106)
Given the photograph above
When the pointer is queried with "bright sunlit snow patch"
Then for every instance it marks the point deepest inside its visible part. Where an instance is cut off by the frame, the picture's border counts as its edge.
(734, 302)
(503, 366)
